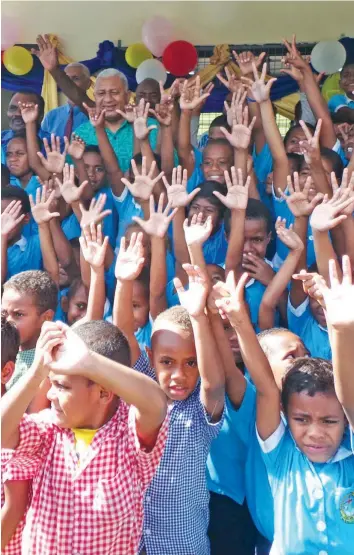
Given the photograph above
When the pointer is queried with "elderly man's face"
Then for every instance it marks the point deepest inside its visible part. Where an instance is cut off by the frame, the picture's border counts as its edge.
(16, 122)
(110, 95)
(79, 77)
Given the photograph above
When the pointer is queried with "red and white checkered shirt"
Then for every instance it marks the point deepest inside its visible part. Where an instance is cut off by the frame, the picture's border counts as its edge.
(95, 508)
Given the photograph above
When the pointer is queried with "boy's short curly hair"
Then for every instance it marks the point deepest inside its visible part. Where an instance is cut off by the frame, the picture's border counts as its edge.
(11, 192)
(176, 315)
(39, 285)
(105, 339)
(312, 375)
(10, 340)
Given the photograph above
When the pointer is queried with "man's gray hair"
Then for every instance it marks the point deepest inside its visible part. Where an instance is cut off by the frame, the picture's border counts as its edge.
(85, 69)
(112, 72)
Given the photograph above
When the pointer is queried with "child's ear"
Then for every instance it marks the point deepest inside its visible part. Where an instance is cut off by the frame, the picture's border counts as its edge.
(149, 354)
(7, 371)
(105, 396)
(47, 316)
(65, 304)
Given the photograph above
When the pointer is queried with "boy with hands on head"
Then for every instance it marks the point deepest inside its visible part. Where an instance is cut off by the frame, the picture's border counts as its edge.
(90, 440)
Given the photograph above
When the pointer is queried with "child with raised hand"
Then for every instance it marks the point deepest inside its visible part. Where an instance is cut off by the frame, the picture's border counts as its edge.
(317, 102)
(89, 444)
(280, 281)
(308, 457)
(248, 228)
(342, 105)
(184, 360)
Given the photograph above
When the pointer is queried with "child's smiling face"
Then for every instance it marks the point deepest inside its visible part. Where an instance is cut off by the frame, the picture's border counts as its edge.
(94, 167)
(347, 80)
(317, 424)
(174, 358)
(216, 159)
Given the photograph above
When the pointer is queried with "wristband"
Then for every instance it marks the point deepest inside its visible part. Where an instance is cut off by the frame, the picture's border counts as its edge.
(250, 99)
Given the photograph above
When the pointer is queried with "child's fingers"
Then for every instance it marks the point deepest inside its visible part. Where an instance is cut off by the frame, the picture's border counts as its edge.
(192, 195)
(333, 274)
(347, 270)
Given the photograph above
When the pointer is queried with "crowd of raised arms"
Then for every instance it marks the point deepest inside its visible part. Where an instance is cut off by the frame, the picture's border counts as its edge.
(177, 325)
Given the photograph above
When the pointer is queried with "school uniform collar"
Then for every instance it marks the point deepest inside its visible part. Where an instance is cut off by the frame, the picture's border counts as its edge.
(21, 243)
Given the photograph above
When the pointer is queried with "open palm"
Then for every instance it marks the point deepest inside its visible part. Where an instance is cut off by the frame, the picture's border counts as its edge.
(194, 299)
(130, 260)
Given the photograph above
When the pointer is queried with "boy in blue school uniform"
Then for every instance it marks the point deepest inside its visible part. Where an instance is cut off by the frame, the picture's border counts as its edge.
(21, 253)
(309, 458)
(342, 105)
(184, 359)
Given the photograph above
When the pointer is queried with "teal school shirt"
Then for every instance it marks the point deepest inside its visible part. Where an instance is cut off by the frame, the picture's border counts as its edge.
(313, 503)
(24, 255)
(302, 323)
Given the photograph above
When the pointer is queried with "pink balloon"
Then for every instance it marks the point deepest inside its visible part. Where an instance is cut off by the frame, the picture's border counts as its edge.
(10, 32)
(157, 33)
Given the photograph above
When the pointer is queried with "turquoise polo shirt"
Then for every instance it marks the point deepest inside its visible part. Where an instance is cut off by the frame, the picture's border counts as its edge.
(228, 453)
(24, 255)
(302, 323)
(313, 502)
(122, 140)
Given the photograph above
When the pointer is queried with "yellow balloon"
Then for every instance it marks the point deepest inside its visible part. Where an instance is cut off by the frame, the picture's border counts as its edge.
(137, 53)
(18, 60)
(331, 86)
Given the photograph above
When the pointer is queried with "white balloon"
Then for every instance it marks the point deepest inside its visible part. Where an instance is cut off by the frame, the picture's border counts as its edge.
(157, 34)
(328, 56)
(151, 69)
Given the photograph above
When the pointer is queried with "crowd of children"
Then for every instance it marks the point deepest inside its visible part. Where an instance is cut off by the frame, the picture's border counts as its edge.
(177, 325)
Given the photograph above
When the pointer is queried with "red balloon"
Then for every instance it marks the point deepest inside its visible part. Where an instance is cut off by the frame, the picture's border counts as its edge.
(180, 57)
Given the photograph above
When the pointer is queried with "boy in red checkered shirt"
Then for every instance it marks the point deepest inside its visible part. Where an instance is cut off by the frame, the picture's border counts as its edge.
(93, 457)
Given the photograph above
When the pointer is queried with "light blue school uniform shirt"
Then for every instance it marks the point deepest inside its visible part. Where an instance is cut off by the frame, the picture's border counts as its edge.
(143, 335)
(313, 503)
(122, 140)
(71, 227)
(31, 188)
(55, 120)
(215, 248)
(24, 255)
(339, 101)
(254, 291)
(226, 464)
(176, 503)
(302, 322)
(281, 209)
(197, 176)
(127, 207)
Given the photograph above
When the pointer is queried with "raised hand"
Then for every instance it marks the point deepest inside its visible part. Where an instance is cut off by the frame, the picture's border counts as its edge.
(288, 236)
(68, 189)
(297, 200)
(257, 268)
(144, 183)
(95, 213)
(130, 259)
(246, 59)
(192, 98)
(241, 130)
(60, 349)
(46, 53)
(51, 186)
(96, 116)
(194, 299)
(237, 190)
(160, 219)
(196, 232)
(232, 82)
(346, 190)
(11, 217)
(329, 213)
(293, 57)
(54, 163)
(29, 111)
(177, 192)
(233, 305)
(77, 147)
(141, 128)
(339, 298)
(311, 147)
(129, 114)
(93, 245)
(312, 284)
(163, 113)
(259, 88)
(41, 208)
